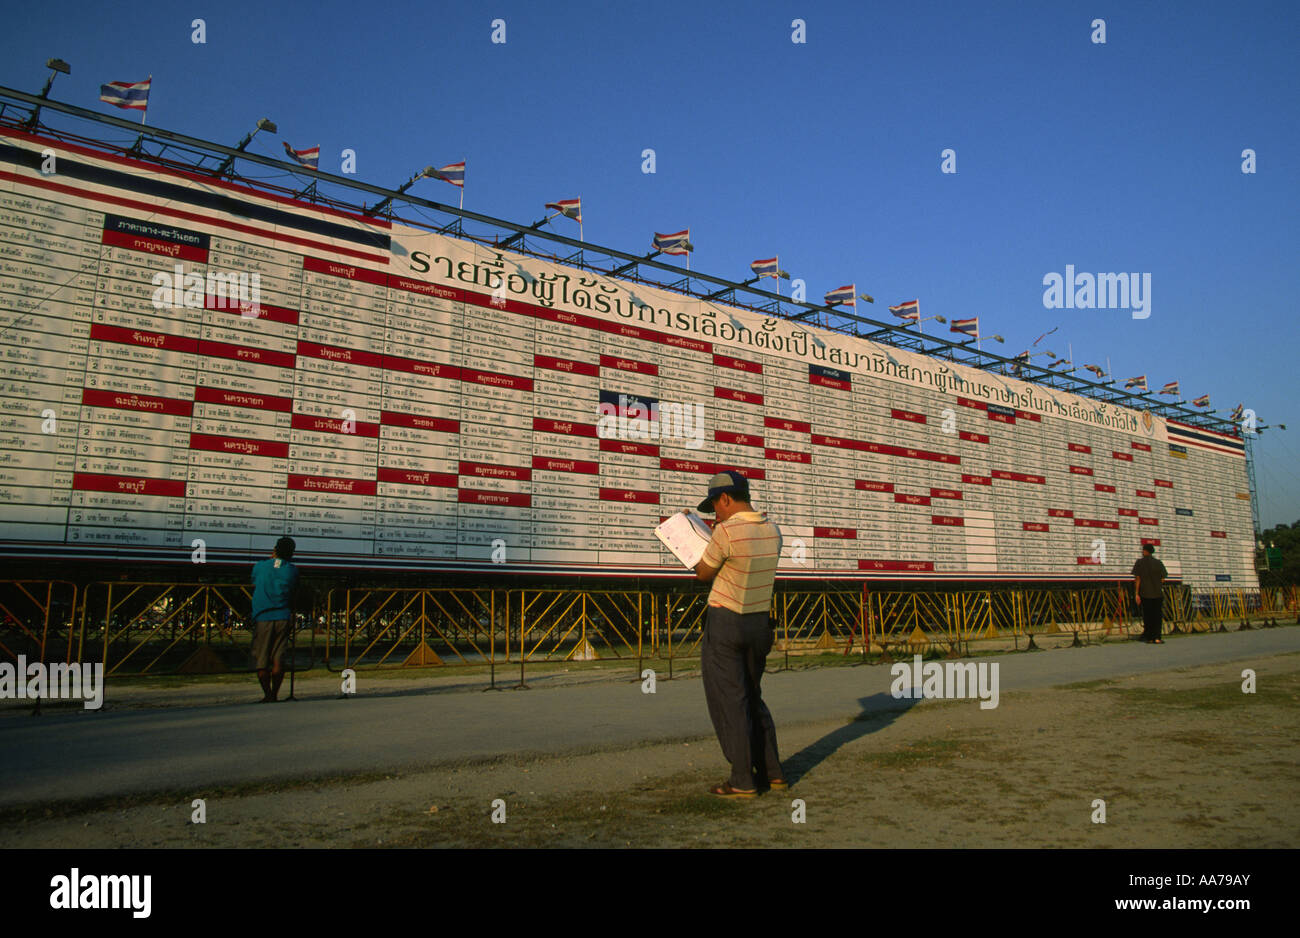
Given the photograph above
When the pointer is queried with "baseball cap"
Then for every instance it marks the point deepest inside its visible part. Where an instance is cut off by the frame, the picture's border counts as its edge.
(729, 481)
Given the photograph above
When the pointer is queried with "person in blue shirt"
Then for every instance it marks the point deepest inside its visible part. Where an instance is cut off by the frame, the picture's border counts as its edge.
(274, 581)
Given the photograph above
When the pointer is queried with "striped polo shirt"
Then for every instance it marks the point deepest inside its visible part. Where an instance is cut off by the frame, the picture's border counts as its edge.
(747, 547)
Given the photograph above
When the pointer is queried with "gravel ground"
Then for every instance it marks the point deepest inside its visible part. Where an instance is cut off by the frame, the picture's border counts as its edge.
(1181, 759)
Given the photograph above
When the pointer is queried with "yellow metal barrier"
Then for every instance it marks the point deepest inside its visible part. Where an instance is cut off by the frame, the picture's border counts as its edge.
(921, 621)
(29, 610)
(157, 627)
(681, 627)
(580, 625)
(151, 618)
(822, 621)
(423, 627)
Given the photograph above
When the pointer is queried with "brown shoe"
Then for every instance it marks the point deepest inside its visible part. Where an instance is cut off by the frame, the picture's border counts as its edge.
(725, 790)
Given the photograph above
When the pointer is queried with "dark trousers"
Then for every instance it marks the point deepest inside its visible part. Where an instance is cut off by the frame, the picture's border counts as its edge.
(1151, 623)
(732, 660)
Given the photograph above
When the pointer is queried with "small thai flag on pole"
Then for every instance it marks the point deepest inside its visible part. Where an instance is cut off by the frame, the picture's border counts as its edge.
(1140, 382)
(1202, 401)
(679, 242)
(1096, 370)
(309, 157)
(131, 95)
(453, 173)
(1237, 412)
(969, 327)
(910, 310)
(569, 208)
(767, 268)
(844, 295)
(1170, 388)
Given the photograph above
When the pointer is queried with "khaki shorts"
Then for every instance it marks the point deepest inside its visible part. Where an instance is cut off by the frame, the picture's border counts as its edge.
(270, 638)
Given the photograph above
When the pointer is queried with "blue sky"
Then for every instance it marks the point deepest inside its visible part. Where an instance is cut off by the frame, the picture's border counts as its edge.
(1123, 156)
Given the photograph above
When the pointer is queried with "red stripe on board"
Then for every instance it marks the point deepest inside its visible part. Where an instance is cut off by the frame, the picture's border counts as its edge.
(737, 439)
(242, 353)
(131, 485)
(726, 361)
(628, 364)
(869, 485)
(629, 449)
(566, 365)
(317, 265)
(563, 427)
(393, 418)
(745, 397)
(444, 480)
(337, 486)
(583, 466)
(204, 395)
(505, 499)
(629, 495)
(847, 533)
(333, 425)
(791, 426)
(334, 353)
(484, 470)
(242, 446)
(162, 341)
(918, 565)
(153, 209)
(155, 246)
(142, 402)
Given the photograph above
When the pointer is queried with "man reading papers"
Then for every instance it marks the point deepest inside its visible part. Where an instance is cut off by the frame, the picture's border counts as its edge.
(740, 560)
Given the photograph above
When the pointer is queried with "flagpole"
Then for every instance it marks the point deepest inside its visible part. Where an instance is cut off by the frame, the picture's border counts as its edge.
(580, 235)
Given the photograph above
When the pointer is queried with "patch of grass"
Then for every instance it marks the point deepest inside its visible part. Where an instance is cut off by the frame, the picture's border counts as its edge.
(933, 751)
(1090, 685)
(1203, 740)
(1226, 696)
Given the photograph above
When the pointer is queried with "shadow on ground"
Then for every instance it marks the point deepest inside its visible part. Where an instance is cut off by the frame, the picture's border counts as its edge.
(878, 711)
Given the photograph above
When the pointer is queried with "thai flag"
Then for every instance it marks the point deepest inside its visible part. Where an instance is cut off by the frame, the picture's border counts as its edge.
(1140, 382)
(1170, 388)
(910, 310)
(569, 208)
(966, 326)
(1202, 401)
(1059, 362)
(309, 157)
(1237, 412)
(767, 268)
(1096, 370)
(453, 173)
(843, 295)
(127, 94)
(679, 242)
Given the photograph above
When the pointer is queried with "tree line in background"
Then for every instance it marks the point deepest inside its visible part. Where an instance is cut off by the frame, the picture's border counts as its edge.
(1286, 570)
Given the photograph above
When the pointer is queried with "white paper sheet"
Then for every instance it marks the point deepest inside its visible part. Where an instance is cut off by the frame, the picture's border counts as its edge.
(685, 534)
